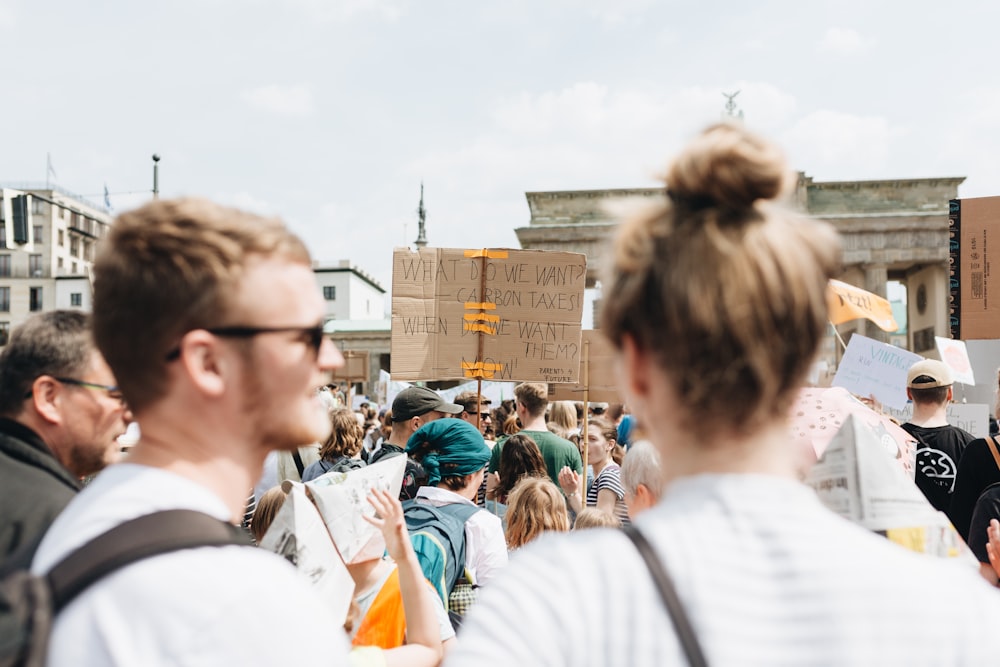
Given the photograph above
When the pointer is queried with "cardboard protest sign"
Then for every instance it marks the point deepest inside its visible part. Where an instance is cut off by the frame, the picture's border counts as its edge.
(499, 315)
(956, 358)
(355, 366)
(601, 377)
(871, 368)
(342, 499)
(971, 417)
(973, 227)
(846, 302)
(298, 534)
(857, 478)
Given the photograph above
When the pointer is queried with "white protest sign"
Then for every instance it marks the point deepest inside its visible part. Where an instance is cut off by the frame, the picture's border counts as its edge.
(871, 368)
(298, 534)
(956, 357)
(342, 499)
(971, 417)
(858, 479)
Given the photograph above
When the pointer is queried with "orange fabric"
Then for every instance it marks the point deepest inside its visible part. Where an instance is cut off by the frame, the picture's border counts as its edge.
(385, 623)
(847, 302)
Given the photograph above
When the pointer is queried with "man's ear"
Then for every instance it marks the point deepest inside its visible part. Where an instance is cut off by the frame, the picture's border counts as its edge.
(951, 393)
(201, 361)
(46, 397)
(909, 394)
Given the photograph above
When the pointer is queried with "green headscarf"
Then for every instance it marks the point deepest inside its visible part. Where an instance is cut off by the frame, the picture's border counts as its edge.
(448, 448)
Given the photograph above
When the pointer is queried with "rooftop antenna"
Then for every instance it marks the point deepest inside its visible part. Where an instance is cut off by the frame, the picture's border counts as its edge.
(421, 241)
(732, 110)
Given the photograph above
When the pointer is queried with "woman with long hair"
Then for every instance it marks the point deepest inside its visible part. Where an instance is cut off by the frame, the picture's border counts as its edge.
(605, 492)
(340, 452)
(715, 302)
(536, 506)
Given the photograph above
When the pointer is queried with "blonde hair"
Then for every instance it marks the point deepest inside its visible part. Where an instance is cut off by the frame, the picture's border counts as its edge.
(591, 517)
(563, 413)
(534, 396)
(534, 506)
(346, 435)
(725, 291)
(166, 268)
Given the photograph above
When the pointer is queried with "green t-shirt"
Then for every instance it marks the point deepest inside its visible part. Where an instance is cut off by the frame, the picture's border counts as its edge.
(556, 452)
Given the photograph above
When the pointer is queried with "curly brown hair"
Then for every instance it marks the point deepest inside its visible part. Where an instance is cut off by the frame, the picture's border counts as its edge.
(346, 437)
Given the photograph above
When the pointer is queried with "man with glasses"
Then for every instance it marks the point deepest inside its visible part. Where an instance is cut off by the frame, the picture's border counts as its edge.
(211, 319)
(476, 412)
(60, 414)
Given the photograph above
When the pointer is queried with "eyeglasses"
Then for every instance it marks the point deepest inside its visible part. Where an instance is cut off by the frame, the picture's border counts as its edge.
(484, 415)
(312, 336)
(114, 393)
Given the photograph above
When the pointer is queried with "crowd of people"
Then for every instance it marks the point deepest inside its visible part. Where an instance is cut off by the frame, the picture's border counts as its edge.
(207, 331)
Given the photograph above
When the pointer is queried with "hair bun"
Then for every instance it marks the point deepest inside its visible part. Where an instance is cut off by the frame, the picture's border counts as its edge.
(726, 167)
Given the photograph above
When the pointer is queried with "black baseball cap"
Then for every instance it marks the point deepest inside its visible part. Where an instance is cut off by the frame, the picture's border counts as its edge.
(415, 401)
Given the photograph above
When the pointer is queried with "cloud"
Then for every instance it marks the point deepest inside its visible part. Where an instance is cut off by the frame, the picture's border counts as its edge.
(839, 145)
(843, 42)
(293, 100)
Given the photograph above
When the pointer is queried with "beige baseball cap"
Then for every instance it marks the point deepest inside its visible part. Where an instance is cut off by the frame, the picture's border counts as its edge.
(928, 374)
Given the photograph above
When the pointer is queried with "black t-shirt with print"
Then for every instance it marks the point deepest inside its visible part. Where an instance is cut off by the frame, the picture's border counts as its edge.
(939, 453)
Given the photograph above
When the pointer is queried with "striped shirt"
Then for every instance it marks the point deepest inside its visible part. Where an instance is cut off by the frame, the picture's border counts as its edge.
(766, 573)
(611, 480)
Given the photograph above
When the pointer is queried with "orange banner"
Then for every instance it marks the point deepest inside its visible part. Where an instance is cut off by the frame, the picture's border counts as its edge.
(847, 302)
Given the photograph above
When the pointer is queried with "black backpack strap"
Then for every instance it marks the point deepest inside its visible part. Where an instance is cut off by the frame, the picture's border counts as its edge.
(145, 536)
(682, 624)
(299, 465)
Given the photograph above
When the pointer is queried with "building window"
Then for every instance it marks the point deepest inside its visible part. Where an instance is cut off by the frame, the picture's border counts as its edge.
(35, 265)
(37, 235)
(59, 262)
(3, 236)
(4, 332)
(330, 292)
(5, 299)
(74, 268)
(76, 299)
(62, 239)
(74, 246)
(35, 299)
(37, 206)
(5, 266)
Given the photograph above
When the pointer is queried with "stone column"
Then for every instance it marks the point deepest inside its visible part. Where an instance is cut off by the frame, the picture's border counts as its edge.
(876, 276)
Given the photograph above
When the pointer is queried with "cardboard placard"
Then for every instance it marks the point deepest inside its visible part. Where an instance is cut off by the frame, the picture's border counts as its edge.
(497, 314)
(973, 227)
(355, 366)
(601, 375)
(871, 368)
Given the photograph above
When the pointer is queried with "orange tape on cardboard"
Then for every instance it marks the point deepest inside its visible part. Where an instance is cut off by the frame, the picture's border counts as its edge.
(475, 305)
(482, 328)
(479, 374)
(481, 317)
(488, 254)
(473, 365)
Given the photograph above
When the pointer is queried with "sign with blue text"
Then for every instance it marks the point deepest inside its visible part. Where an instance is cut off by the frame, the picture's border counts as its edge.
(874, 369)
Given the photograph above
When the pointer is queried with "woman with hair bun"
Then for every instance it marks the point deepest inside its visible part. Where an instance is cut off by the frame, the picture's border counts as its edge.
(715, 301)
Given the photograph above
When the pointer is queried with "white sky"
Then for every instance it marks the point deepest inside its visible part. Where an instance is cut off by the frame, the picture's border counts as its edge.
(331, 112)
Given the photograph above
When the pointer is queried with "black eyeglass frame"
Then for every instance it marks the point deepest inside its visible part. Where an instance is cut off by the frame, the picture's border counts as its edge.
(315, 333)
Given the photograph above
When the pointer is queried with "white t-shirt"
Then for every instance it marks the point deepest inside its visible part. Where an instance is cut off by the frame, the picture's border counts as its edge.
(485, 544)
(208, 606)
(767, 575)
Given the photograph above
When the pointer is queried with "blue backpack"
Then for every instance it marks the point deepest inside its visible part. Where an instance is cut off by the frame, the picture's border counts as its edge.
(438, 537)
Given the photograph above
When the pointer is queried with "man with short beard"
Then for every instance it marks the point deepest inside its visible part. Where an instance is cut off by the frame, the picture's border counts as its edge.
(60, 415)
(212, 320)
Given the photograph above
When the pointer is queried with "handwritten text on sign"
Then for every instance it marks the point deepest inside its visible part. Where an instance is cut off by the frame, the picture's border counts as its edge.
(525, 305)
